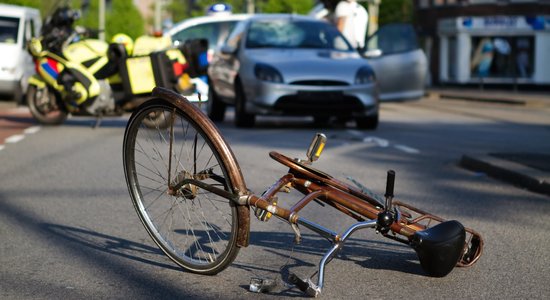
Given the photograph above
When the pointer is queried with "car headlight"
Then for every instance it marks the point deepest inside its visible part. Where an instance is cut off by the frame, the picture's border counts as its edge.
(267, 73)
(365, 75)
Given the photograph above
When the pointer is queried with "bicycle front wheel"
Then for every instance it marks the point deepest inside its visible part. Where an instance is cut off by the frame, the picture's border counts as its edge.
(195, 228)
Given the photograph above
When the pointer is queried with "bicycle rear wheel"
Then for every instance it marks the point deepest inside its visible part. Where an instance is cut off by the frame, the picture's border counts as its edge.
(195, 228)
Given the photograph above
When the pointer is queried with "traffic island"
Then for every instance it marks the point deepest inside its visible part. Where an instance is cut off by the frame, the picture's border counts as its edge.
(527, 170)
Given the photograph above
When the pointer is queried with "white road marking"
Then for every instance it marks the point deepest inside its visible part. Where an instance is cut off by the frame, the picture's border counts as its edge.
(18, 137)
(14, 138)
(407, 149)
(378, 141)
(32, 130)
(381, 142)
(355, 133)
(18, 110)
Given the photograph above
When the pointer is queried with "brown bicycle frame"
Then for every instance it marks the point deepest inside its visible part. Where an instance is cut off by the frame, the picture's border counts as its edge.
(318, 186)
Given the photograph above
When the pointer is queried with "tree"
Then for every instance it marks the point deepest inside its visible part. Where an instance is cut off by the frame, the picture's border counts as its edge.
(392, 11)
(124, 17)
(285, 6)
(182, 9)
(121, 15)
(45, 6)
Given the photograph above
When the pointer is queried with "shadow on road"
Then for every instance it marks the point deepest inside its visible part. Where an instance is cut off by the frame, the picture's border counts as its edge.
(108, 244)
(100, 251)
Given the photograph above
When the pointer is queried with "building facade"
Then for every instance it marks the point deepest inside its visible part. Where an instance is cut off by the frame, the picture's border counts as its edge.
(486, 41)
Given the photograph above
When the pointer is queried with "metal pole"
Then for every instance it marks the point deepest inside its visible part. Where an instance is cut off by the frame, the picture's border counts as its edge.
(250, 6)
(158, 6)
(102, 20)
(374, 6)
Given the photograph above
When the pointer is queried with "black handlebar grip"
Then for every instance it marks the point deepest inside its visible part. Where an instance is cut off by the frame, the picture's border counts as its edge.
(390, 181)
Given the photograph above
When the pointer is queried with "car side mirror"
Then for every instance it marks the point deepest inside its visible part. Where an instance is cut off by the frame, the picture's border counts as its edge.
(228, 50)
(372, 53)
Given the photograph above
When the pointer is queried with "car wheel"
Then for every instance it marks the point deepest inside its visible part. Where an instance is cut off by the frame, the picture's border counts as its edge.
(215, 107)
(242, 118)
(368, 122)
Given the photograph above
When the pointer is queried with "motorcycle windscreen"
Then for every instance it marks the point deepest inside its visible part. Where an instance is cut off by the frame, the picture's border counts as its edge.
(141, 77)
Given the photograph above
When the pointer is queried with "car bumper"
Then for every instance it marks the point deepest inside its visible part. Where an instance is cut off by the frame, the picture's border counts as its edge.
(9, 86)
(275, 98)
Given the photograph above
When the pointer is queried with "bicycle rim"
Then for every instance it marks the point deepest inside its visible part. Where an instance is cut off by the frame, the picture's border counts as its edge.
(197, 229)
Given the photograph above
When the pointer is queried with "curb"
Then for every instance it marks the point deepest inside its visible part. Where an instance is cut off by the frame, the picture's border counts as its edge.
(517, 174)
(495, 97)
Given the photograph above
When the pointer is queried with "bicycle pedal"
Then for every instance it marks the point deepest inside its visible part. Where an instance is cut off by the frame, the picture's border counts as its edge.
(261, 285)
(263, 215)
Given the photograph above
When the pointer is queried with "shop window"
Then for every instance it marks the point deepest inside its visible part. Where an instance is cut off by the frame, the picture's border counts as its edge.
(502, 57)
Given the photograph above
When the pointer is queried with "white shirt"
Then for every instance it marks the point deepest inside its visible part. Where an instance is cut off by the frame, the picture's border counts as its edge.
(356, 20)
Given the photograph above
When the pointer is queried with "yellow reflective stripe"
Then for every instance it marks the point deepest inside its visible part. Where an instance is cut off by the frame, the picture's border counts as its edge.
(98, 64)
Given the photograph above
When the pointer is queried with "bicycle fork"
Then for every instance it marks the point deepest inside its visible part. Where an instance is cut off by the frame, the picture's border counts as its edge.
(307, 285)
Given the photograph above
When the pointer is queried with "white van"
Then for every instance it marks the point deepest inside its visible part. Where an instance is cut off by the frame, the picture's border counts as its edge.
(18, 24)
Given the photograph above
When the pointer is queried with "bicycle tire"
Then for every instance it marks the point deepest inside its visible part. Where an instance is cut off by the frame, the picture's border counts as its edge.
(195, 228)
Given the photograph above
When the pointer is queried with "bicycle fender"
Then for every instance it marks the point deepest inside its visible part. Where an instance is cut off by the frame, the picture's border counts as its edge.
(236, 177)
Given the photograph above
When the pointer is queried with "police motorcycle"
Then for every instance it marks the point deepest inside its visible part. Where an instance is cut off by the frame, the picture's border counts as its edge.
(84, 76)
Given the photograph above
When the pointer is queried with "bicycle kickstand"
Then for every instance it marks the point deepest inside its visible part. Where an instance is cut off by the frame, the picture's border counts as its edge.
(314, 290)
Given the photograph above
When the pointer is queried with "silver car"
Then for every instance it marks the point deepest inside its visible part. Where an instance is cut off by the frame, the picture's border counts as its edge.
(290, 64)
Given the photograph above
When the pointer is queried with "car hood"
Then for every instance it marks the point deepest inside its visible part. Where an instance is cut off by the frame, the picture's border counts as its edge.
(307, 64)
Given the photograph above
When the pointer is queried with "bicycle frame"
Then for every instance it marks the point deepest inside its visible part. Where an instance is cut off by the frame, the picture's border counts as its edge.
(319, 186)
(404, 225)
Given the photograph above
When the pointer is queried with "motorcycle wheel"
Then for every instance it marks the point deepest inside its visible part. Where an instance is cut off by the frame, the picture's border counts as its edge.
(44, 106)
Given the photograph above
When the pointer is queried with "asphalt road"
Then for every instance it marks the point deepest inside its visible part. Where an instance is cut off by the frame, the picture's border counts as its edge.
(69, 230)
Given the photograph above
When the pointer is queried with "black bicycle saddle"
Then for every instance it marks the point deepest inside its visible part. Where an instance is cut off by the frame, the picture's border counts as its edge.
(439, 247)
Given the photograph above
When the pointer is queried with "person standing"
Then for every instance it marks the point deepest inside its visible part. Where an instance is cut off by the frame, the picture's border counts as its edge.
(351, 19)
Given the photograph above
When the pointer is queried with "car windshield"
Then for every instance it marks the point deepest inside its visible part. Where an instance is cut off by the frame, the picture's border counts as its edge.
(8, 30)
(290, 33)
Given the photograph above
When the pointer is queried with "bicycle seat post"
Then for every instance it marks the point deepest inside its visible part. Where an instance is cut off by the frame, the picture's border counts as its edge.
(385, 217)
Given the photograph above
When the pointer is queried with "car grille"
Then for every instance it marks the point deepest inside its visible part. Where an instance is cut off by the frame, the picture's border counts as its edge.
(311, 103)
(320, 82)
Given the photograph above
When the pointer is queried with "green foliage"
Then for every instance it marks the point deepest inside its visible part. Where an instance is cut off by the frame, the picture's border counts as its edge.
(285, 6)
(395, 11)
(124, 17)
(45, 6)
(181, 10)
(29, 3)
(121, 15)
